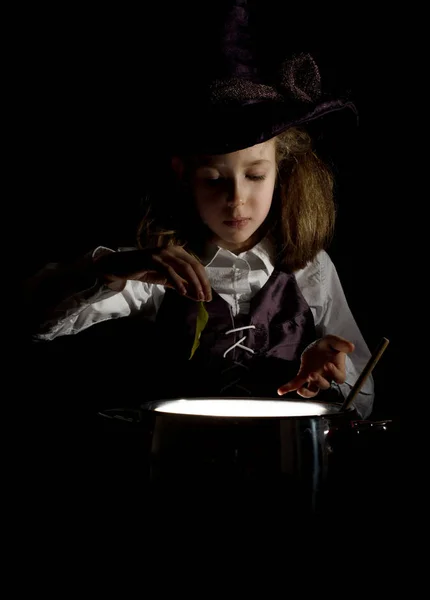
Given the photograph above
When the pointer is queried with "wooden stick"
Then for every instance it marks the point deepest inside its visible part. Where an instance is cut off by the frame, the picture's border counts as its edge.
(365, 373)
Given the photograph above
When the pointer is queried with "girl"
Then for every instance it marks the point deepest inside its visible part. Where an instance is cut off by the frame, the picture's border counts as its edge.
(271, 329)
(243, 230)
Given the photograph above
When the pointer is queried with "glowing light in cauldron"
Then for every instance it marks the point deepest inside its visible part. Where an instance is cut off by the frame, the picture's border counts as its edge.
(241, 408)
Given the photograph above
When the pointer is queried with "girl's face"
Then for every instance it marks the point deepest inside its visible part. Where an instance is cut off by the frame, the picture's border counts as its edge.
(233, 193)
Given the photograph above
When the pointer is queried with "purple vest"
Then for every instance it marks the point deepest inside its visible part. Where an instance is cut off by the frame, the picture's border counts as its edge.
(283, 327)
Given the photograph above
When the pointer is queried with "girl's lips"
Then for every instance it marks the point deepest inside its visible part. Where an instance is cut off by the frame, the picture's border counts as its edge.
(237, 223)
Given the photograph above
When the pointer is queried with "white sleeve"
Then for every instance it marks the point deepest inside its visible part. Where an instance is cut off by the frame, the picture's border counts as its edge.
(322, 289)
(99, 303)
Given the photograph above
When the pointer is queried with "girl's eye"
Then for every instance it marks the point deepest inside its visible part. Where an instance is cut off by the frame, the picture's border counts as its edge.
(256, 177)
(214, 181)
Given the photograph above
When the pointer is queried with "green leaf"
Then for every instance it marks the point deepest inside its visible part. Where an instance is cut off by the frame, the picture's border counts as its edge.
(202, 319)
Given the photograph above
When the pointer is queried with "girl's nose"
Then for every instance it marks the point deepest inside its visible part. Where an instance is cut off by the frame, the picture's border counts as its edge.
(235, 196)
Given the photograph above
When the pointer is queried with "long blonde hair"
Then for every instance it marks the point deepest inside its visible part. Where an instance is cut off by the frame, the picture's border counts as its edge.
(300, 222)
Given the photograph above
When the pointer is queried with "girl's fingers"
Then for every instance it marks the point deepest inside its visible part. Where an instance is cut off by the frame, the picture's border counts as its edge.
(191, 271)
(306, 387)
(155, 278)
(172, 276)
(172, 267)
(204, 281)
(338, 344)
(317, 381)
(292, 385)
(179, 282)
(334, 373)
(308, 392)
(188, 272)
(198, 269)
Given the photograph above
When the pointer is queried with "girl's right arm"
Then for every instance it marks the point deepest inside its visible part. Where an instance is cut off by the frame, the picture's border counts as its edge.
(63, 300)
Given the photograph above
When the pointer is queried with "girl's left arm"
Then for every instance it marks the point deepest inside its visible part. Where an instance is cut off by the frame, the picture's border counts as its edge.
(322, 289)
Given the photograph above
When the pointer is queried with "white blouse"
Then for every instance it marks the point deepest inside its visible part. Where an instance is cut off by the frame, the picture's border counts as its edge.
(236, 278)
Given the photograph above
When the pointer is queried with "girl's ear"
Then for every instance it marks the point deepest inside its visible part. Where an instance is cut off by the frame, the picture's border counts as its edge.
(178, 166)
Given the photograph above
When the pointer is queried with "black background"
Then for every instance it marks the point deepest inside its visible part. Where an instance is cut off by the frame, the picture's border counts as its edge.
(89, 96)
(88, 91)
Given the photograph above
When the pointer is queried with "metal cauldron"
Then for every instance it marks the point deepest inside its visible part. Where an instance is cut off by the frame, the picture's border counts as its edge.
(285, 453)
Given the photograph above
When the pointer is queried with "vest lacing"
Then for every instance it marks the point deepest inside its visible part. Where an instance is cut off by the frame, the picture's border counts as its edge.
(237, 344)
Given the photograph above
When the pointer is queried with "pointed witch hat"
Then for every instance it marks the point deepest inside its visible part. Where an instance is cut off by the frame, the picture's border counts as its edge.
(231, 98)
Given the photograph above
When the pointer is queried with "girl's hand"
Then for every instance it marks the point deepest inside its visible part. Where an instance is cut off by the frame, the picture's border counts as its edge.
(173, 267)
(322, 362)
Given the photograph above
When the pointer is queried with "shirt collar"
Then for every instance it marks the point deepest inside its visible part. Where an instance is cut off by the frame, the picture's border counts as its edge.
(262, 250)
